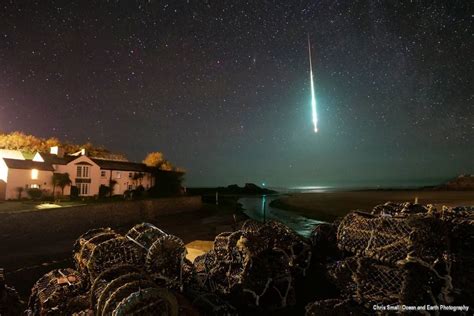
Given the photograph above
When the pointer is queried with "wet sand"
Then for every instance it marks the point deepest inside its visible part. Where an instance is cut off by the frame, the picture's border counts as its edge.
(328, 206)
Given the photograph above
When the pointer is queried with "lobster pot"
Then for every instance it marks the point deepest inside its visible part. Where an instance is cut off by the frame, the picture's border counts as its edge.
(462, 272)
(103, 280)
(59, 292)
(209, 303)
(296, 249)
(336, 307)
(389, 239)
(266, 282)
(106, 250)
(370, 282)
(145, 234)
(164, 255)
(86, 243)
(323, 240)
(166, 260)
(124, 291)
(257, 237)
(401, 209)
(203, 266)
(254, 267)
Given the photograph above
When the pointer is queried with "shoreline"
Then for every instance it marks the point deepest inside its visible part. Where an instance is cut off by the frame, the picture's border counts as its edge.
(328, 206)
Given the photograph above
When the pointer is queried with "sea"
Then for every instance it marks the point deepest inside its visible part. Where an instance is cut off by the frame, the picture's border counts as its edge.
(258, 207)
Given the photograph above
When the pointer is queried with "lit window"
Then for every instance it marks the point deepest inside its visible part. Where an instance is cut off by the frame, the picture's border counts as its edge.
(34, 174)
(118, 175)
(34, 186)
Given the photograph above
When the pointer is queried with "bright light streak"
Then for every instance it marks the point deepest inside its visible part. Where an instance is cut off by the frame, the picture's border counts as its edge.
(313, 94)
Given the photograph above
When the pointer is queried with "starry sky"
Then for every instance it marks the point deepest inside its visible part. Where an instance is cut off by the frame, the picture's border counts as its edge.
(222, 87)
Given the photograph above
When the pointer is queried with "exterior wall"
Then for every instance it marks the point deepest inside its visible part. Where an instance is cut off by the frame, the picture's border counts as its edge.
(71, 169)
(22, 177)
(124, 179)
(10, 179)
(3, 178)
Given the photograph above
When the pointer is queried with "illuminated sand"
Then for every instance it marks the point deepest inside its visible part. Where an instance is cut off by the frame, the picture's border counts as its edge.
(328, 206)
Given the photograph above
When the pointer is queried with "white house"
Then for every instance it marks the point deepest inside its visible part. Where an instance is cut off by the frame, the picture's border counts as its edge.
(86, 173)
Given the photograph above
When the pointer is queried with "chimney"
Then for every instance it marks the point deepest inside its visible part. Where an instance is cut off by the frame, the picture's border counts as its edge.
(56, 150)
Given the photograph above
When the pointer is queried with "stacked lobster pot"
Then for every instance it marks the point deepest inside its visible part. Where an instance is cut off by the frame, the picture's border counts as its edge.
(164, 255)
(99, 249)
(460, 223)
(256, 266)
(59, 292)
(403, 254)
(126, 290)
(116, 275)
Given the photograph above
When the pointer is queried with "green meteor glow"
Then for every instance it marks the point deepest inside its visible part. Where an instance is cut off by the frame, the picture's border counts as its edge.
(313, 94)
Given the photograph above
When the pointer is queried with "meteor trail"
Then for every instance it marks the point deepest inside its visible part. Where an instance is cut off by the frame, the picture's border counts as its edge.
(313, 95)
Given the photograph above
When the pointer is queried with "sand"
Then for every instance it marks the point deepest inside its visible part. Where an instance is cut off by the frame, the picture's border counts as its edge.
(328, 206)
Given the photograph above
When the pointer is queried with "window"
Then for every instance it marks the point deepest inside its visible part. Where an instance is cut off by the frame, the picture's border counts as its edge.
(130, 175)
(34, 186)
(83, 188)
(102, 173)
(83, 171)
(118, 175)
(34, 174)
(129, 186)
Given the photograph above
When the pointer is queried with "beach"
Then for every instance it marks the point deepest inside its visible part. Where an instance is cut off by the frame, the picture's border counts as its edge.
(327, 206)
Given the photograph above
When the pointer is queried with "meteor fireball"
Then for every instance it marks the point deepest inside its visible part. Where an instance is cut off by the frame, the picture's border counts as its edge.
(313, 94)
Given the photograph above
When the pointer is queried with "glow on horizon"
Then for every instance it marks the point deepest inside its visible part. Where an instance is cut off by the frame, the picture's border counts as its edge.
(313, 94)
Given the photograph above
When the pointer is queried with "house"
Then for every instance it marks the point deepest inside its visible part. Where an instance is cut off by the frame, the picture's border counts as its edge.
(86, 173)
(12, 154)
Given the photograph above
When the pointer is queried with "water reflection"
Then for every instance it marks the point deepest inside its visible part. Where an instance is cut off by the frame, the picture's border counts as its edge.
(259, 208)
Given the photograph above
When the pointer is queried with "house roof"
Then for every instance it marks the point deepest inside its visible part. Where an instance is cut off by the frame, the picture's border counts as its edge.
(55, 160)
(11, 154)
(121, 165)
(28, 164)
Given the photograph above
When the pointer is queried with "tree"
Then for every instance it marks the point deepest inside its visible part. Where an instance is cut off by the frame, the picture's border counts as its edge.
(168, 183)
(29, 143)
(156, 159)
(112, 184)
(55, 179)
(64, 181)
(137, 177)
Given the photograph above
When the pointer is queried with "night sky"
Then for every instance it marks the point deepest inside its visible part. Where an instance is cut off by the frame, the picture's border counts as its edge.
(222, 87)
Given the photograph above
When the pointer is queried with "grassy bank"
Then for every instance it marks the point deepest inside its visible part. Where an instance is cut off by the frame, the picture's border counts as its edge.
(329, 206)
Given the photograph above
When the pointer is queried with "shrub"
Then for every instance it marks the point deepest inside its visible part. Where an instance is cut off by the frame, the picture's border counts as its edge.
(74, 192)
(34, 193)
(103, 191)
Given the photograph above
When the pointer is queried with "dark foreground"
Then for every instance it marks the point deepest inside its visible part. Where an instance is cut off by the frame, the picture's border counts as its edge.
(392, 256)
(31, 254)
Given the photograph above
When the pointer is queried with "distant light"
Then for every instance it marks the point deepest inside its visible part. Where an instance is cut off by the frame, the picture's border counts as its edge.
(263, 184)
(34, 174)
